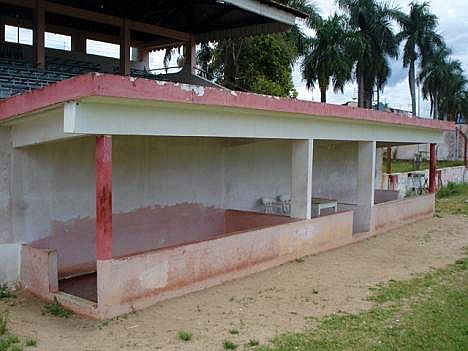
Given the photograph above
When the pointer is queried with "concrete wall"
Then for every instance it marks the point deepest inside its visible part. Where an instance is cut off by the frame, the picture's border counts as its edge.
(345, 171)
(403, 185)
(389, 215)
(9, 248)
(53, 192)
(256, 170)
(5, 209)
(335, 171)
(54, 182)
(450, 149)
(166, 273)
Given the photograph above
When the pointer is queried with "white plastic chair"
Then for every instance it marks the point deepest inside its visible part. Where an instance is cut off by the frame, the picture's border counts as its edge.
(285, 201)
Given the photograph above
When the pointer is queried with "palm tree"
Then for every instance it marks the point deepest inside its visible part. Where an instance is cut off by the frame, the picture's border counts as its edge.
(327, 59)
(374, 44)
(433, 76)
(419, 32)
(453, 91)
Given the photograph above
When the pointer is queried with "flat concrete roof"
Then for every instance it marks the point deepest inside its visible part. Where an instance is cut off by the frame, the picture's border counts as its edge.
(115, 86)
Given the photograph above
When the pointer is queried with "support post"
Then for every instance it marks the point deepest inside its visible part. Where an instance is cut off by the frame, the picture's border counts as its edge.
(2, 31)
(432, 168)
(365, 186)
(38, 34)
(389, 160)
(301, 178)
(143, 56)
(78, 43)
(190, 57)
(103, 197)
(125, 48)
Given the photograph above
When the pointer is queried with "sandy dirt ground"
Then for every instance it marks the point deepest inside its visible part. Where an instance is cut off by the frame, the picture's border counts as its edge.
(260, 306)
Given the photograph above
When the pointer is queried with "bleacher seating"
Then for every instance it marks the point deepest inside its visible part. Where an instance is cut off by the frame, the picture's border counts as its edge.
(18, 76)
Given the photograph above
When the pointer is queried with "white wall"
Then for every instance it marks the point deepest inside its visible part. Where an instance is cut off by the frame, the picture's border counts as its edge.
(5, 158)
(256, 170)
(345, 171)
(334, 174)
(55, 182)
(167, 171)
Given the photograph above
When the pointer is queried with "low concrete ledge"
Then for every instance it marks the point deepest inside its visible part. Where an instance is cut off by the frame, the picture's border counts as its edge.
(138, 281)
(39, 272)
(394, 214)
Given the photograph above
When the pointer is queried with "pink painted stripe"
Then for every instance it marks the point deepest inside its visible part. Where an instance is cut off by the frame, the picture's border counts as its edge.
(109, 85)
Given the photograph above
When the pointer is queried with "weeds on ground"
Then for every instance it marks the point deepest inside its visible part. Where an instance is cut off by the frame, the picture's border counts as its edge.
(56, 309)
(402, 166)
(253, 343)
(449, 190)
(3, 323)
(233, 331)
(229, 345)
(8, 341)
(30, 342)
(5, 292)
(184, 335)
(427, 312)
(452, 199)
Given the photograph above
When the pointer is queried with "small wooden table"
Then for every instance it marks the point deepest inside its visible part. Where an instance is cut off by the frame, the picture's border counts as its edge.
(318, 204)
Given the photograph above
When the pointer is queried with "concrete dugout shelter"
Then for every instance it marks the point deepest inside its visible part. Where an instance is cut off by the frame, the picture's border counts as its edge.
(119, 191)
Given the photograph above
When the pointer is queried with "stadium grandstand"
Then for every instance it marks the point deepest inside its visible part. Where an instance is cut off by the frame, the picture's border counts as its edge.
(28, 60)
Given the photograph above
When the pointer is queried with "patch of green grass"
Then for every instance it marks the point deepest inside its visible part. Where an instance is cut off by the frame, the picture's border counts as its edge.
(427, 312)
(56, 309)
(9, 342)
(229, 345)
(253, 343)
(5, 292)
(16, 347)
(234, 331)
(453, 199)
(30, 342)
(184, 335)
(403, 166)
(3, 323)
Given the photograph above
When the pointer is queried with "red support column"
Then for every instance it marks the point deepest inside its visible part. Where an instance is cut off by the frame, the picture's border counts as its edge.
(389, 160)
(103, 197)
(432, 169)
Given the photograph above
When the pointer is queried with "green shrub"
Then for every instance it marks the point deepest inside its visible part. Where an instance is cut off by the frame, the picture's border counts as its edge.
(56, 309)
(5, 293)
(31, 342)
(184, 335)
(3, 323)
(449, 190)
(229, 345)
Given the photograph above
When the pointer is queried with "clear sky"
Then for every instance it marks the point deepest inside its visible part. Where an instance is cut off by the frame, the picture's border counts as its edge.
(453, 24)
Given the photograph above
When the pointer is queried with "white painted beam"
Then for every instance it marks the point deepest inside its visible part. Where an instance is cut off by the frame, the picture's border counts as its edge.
(263, 9)
(124, 117)
(39, 128)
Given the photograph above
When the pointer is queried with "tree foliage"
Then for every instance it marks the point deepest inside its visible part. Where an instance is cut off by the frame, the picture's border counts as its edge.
(328, 59)
(419, 31)
(355, 45)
